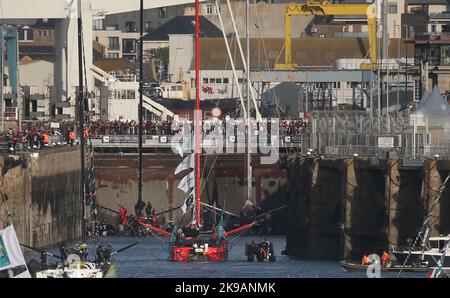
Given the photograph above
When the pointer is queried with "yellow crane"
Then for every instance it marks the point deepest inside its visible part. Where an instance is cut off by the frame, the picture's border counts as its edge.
(327, 8)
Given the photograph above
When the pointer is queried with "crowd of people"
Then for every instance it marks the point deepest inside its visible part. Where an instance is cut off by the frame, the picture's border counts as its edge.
(36, 136)
(293, 127)
(131, 127)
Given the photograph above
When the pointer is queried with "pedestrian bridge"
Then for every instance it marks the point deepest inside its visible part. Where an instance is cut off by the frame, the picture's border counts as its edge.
(131, 142)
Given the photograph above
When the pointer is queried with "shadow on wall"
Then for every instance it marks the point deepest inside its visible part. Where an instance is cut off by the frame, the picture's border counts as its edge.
(444, 227)
(368, 214)
(409, 208)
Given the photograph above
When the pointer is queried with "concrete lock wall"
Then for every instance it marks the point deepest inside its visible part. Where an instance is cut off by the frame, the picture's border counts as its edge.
(344, 208)
(225, 177)
(43, 196)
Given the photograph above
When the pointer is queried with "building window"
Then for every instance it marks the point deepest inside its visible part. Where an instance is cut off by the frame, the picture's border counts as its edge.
(113, 43)
(433, 28)
(392, 8)
(209, 9)
(240, 81)
(162, 12)
(337, 85)
(25, 35)
(225, 80)
(445, 55)
(97, 24)
(205, 80)
(113, 55)
(130, 26)
(219, 81)
(212, 81)
(148, 26)
(131, 94)
(129, 46)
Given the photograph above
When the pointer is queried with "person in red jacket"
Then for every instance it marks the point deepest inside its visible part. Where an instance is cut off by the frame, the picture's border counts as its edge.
(384, 258)
(365, 260)
(124, 215)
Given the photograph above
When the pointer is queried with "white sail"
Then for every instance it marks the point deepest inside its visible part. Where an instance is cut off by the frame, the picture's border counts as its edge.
(187, 163)
(186, 145)
(188, 202)
(187, 182)
(11, 255)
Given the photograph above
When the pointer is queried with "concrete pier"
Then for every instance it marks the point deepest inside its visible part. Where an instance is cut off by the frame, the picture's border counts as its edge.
(344, 208)
(42, 192)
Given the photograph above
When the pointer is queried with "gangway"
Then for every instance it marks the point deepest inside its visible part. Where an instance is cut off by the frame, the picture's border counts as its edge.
(149, 104)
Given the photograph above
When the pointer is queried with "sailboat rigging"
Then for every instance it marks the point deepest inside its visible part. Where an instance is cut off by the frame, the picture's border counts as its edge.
(74, 259)
(186, 243)
(431, 251)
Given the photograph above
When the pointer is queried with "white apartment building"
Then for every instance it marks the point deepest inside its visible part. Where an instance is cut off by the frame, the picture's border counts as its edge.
(117, 44)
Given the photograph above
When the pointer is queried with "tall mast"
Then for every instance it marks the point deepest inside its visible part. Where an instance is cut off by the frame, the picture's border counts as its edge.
(141, 82)
(197, 113)
(249, 157)
(81, 118)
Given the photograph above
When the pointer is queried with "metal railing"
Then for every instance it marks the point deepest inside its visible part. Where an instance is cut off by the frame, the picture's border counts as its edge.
(394, 152)
(165, 141)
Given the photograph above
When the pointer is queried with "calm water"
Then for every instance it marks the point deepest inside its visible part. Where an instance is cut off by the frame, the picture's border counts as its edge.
(149, 259)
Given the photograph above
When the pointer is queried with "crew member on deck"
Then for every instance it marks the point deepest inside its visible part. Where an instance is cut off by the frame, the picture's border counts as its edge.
(384, 258)
(124, 215)
(365, 260)
(148, 210)
(153, 217)
(140, 205)
(191, 232)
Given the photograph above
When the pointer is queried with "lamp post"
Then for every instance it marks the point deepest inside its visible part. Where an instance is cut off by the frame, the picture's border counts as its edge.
(399, 28)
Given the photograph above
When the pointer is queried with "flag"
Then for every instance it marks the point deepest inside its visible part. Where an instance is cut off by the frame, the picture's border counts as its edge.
(187, 182)
(188, 202)
(187, 163)
(11, 253)
(187, 144)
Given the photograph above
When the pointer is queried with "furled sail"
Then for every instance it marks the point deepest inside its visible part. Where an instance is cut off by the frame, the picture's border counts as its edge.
(11, 256)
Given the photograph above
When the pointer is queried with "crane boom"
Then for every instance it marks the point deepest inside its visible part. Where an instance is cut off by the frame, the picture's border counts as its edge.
(326, 8)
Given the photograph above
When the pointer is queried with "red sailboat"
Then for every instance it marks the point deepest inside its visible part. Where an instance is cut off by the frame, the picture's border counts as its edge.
(187, 244)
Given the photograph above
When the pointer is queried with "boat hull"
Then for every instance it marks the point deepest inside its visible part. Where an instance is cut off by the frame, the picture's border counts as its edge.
(352, 267)
(186, 253)
(417, 257)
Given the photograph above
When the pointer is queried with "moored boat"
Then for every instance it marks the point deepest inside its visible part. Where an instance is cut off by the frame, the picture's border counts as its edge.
(428, 254)
(353, 266)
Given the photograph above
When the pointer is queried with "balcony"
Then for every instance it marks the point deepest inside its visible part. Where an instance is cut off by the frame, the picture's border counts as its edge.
(62, 104)
(62, 116)
(37, 114)
(37, 97)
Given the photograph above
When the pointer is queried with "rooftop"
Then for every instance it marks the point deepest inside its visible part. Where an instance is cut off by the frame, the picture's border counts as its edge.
(184, 25)
(312, 52)
(426, 2)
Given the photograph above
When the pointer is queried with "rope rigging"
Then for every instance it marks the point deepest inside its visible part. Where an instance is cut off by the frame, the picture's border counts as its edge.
(425, 226)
